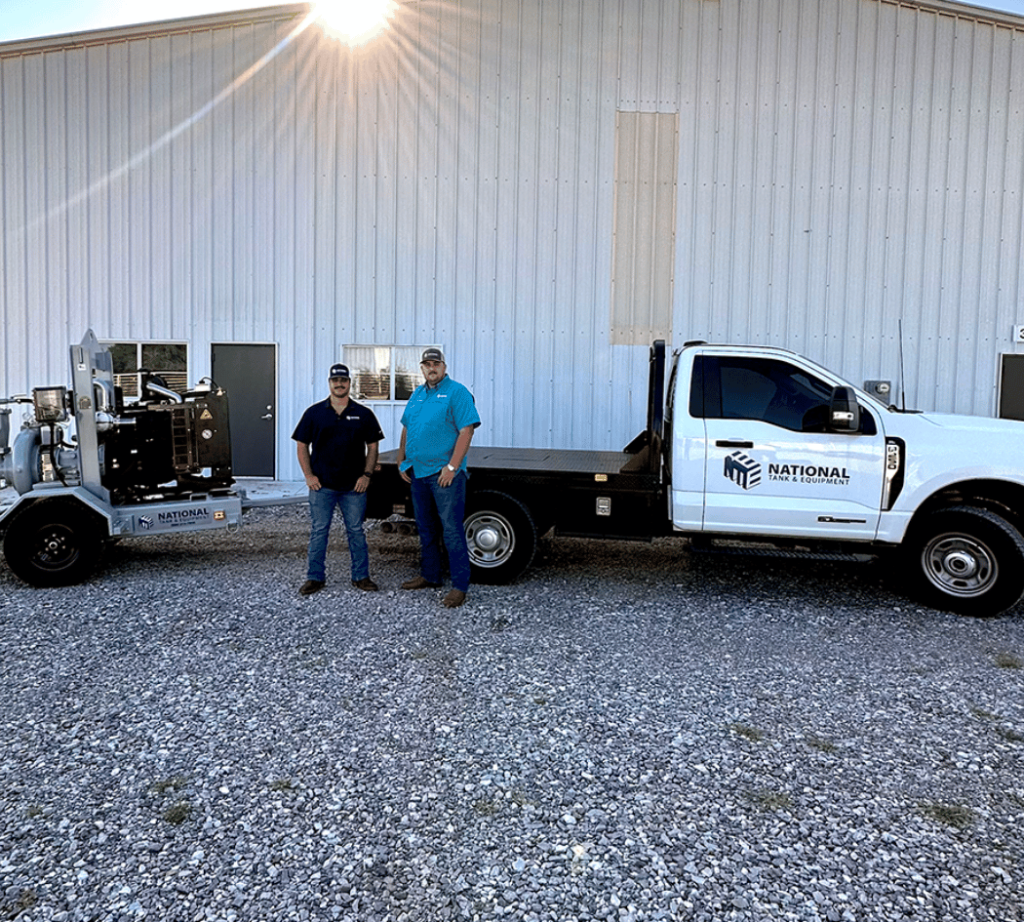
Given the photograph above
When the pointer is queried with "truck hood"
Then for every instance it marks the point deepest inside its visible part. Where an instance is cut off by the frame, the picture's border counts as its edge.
(945, 449)
(975, 425)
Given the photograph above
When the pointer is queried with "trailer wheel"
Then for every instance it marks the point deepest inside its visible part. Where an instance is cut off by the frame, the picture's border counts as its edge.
(54, 543)
(501, 536)
(968, 560)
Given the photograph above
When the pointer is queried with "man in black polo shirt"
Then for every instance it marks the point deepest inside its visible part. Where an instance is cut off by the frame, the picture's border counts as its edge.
(337, 444)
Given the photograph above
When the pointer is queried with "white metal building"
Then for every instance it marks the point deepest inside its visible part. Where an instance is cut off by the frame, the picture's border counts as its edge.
(537, 186)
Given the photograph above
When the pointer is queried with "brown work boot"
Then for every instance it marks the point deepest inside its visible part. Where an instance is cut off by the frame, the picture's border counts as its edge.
(310, 586)
(420, 582)
(366, 584)
(454, 598)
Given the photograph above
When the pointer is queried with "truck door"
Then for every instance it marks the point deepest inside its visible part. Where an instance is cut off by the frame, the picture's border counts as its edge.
(771, 466)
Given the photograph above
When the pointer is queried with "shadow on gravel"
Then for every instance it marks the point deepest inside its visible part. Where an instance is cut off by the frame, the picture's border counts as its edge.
(672, 562)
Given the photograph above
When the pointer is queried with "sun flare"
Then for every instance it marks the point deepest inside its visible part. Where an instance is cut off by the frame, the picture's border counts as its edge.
(354, 22)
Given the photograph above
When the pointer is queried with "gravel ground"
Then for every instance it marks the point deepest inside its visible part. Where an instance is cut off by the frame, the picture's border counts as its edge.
(629, 732)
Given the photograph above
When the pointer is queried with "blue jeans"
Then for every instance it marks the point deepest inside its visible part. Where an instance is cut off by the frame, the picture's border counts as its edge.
(321, 512)
(439, 515)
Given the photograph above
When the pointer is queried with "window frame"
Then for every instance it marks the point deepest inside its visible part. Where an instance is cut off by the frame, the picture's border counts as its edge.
(140, 345)
(707, 369)
(391, 399)
(707, 401)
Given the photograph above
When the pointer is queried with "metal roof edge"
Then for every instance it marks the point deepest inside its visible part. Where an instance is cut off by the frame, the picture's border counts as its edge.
(962, 11)
(292, 10)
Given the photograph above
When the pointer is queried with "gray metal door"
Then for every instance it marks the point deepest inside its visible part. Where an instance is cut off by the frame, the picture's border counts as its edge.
(1011, 387)
(248, 372)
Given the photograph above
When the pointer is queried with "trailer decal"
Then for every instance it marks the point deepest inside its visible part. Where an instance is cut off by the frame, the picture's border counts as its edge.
(183, 516)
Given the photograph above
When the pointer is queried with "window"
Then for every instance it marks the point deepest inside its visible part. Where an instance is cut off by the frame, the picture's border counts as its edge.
(765, 389)
(384, 372)
(168, 360)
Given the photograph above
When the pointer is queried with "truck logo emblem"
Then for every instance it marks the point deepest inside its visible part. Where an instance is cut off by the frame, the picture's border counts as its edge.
(145, 521)
(743, 470)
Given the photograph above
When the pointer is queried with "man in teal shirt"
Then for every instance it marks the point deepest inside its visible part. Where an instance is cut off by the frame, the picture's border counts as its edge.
(437, 428)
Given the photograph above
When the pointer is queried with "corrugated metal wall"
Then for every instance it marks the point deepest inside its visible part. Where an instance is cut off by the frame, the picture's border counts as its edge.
(843, 165)
(849, 164)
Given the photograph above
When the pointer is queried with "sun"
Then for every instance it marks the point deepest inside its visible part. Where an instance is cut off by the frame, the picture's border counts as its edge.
(354, 22)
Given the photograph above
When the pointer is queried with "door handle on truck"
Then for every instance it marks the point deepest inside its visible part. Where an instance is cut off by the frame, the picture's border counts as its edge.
(728, 443)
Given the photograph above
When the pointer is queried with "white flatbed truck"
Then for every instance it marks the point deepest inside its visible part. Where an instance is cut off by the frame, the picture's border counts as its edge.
(758, 448)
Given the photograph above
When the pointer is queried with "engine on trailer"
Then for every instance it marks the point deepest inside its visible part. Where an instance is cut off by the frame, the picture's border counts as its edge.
(164, 445)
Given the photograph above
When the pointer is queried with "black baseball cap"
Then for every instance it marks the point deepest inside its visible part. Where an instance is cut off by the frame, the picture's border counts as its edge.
(432, 355)
(339, 371)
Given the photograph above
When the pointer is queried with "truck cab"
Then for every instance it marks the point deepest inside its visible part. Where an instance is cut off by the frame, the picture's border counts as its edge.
(762, 444)
(757, 447)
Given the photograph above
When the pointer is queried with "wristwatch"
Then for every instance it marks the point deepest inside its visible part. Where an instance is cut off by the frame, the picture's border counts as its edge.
(367, 473)
(452, 469)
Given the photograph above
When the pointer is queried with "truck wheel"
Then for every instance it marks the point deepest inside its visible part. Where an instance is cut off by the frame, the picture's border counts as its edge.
(501, 536)
(54, 543)
(968, 560)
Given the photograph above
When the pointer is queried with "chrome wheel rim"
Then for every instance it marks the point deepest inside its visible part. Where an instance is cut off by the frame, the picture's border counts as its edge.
(960, 565)
(490, 538)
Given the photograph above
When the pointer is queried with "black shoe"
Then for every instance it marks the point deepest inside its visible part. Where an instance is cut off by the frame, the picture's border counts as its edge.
(310, 586)
(366, 584)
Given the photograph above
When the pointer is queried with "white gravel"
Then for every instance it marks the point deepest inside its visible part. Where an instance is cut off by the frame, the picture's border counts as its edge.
(629, 732)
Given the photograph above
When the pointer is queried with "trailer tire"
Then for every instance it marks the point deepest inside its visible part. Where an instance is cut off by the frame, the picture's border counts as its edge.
(501, 536)
(54, 542)
(967, 560)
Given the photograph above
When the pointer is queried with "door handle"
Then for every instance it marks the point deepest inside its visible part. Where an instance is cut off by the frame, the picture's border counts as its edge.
(728, 443)
(267, 416)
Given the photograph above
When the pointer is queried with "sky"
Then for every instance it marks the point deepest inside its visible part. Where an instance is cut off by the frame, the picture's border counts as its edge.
(35, 18)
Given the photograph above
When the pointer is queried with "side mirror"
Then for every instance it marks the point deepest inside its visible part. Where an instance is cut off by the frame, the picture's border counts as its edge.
(843, 410)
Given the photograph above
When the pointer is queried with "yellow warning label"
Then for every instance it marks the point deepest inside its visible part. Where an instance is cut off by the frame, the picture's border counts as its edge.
(206, 414)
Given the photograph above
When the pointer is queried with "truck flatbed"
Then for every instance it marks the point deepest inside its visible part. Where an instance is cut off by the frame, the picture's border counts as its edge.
(555, 460)
(540, 460)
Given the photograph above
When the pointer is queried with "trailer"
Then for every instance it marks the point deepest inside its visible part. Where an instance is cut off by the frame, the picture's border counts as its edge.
(88, 467)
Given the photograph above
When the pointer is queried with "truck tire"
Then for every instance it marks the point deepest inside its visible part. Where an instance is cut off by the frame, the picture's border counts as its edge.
(967, 560)
(501, 536)
(54, 542)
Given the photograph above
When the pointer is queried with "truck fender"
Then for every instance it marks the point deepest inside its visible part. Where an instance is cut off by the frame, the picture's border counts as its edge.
(1003, 498)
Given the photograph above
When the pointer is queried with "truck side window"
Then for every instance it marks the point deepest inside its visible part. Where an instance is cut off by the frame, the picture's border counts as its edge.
(697, 388)
(705, 388)
(765, 389)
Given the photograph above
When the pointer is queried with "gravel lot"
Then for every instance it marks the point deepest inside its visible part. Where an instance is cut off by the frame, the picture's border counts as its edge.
(629, 732)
